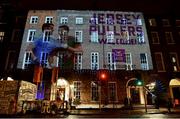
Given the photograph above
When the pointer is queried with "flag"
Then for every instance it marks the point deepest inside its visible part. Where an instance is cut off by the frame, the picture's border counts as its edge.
(119, 55)
(54, 76)
(38, 74)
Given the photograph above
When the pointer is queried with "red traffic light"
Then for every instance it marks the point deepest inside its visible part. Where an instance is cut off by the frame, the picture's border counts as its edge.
(103, 76)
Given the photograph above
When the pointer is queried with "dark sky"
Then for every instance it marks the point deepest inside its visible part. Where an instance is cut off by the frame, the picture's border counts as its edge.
(147, 6)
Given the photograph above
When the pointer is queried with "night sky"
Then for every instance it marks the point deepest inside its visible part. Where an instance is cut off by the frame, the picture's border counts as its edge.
(147, 6)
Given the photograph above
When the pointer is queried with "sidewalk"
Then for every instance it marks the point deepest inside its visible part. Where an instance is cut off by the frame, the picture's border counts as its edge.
(138, 109)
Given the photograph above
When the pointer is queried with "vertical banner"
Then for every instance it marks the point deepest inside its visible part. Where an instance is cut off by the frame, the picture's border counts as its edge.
(38, 74)
(118, 55)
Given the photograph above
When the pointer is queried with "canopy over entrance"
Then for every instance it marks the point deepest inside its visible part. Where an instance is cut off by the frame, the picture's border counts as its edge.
(174, 82)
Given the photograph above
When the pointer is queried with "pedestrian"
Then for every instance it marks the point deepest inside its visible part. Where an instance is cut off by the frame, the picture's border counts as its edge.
(169, 105)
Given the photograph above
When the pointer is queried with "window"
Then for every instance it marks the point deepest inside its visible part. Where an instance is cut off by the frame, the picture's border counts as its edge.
(165, 22)
(94, 36)
(143, 61)
(110, 36)
(34, 20)
(2, 36)
(112, 94)
(110, 61)
(60, 60)
(78, 36)
(155, 37)
(17, 35)
(77, 87)
(128, 61)
(152, 22)
(49, 19)
(140, 37)
(169, 37)
(63, 20)
(27, 60)
(78, 61)
(123, 21)
(94, 60)
(109, 21)
(174, 61)
(139, 22)
(94, 91)
(11, 60)
(178, 23)
(159, 62)
(44, 59)
(31, 34)
(46, 36)
(125, 35)
(94, 20)
(79, 20)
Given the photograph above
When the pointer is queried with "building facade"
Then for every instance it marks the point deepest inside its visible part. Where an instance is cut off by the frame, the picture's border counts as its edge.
(112, 41)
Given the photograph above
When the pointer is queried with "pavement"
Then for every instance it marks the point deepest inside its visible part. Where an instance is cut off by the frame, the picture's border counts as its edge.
(137, 109)
(107, 110)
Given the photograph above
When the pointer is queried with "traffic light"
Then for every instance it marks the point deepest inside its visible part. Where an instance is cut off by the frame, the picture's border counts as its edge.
(103, 76)
(138, 82)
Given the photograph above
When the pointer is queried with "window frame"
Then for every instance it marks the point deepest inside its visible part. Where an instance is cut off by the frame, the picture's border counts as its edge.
(35, 21)
(94, 57)
(162, 62)
(79, 20)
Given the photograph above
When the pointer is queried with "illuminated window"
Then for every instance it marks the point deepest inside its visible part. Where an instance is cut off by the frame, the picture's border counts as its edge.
(94, 36)
(178, 23)
(31, 34)
(155, 37)
(165, 22)
(79, 20)
(64, 20)
(110, 36)
(125, 35)
(94, 20)
(109, 21)
(174, 61)
(128, 61)
(46, 36)
(110, 61)
(1, 36)
(49, 19)
(169, 37)
(94, 91)
(78, 61)
(140, 37)
(78, 36)
(152, 22)
(123, 21)
(159, 62)
(77, 89)
(139, 22)
(44, 59)
(27, 60)
(112, 91)
(143, 61)
(94, 60)
(34, 20)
